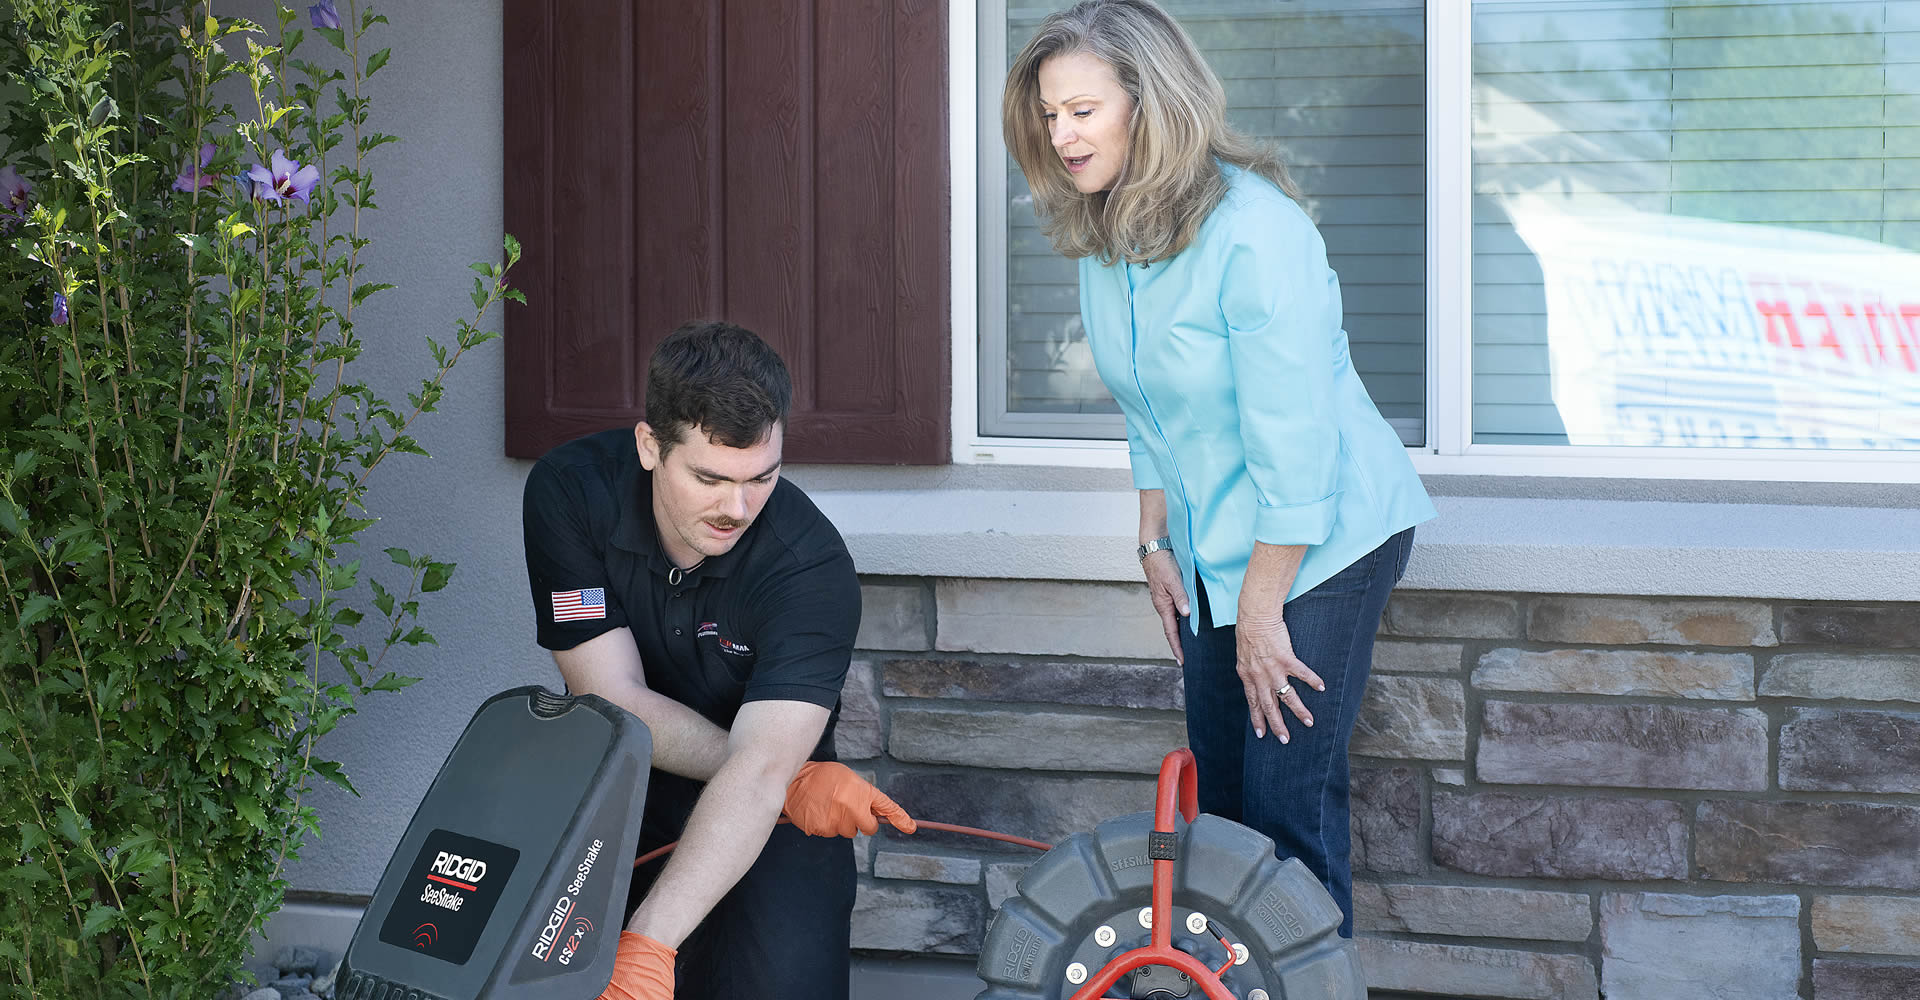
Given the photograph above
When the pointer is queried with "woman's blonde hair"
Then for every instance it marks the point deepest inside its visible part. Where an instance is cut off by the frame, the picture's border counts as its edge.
(1169, 182)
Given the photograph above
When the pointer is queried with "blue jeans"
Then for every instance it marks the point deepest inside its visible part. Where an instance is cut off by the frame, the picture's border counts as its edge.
(1295, 792)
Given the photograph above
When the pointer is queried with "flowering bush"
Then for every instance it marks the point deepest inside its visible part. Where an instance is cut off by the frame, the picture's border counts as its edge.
(184, 453)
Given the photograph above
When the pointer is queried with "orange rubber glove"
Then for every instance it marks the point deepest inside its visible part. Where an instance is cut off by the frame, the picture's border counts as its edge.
(642, 970)
(827, 800)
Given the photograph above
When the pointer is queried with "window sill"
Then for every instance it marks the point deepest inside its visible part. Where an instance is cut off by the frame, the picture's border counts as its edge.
(1078, 524)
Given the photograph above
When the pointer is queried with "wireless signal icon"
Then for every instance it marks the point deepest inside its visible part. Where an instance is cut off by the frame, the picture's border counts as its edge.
(581, 925)
(424, 935)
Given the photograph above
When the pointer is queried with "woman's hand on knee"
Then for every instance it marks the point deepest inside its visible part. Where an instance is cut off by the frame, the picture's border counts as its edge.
(1268, 670)
(1169, 596)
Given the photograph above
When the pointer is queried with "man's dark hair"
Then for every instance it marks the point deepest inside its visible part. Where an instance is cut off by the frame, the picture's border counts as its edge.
(720, 378)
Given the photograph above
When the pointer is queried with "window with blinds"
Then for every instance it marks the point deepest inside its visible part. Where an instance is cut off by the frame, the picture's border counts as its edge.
(1340, 84)
(1694, 223)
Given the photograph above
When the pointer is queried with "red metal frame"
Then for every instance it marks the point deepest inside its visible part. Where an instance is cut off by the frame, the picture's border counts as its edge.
(1178, 786)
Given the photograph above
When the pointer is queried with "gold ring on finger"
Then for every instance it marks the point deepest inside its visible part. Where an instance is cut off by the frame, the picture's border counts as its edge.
(1283, 690)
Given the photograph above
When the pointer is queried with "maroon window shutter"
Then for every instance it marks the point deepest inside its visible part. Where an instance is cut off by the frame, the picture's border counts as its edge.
(780, 164)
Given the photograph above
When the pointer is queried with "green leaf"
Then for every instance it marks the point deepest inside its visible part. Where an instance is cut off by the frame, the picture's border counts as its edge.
(381, 598)
(342, 576)
(400, 556)
(417, 635)
(331, 771)
(393, 682)
(37, 608)
(360, 292)
(323, 722)
(377, 60)
(68, 822)
(436, 576)
(513, 249)
(140, 838)
(99, 918)
(250, 811)
(142, 860)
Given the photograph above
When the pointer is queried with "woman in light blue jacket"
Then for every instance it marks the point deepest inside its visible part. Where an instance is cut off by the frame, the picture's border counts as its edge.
(1271, 489)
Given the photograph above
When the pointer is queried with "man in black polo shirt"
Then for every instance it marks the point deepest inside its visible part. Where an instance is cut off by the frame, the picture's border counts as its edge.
(674, 574)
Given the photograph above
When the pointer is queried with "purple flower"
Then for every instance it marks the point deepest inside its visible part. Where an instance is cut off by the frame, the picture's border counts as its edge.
(196, 178)
(287, 179)
(59, 316)
(323, 15)
(13, 191)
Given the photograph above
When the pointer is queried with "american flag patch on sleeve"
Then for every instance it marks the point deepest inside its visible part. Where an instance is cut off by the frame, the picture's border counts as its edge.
(574, 605)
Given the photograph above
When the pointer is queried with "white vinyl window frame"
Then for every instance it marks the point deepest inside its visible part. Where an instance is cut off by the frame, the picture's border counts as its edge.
(1450, 449)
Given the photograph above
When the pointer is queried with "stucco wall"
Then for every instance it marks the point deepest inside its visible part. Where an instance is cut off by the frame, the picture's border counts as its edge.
(439, 192)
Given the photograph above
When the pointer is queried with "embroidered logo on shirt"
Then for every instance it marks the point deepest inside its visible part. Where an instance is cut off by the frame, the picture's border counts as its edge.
(574, 605)
(726, 645)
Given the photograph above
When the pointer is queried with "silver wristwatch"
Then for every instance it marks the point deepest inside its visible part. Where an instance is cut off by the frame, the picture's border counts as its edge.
(1156, 545)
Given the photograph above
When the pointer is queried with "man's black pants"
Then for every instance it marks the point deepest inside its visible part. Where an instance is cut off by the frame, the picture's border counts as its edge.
(781, 932)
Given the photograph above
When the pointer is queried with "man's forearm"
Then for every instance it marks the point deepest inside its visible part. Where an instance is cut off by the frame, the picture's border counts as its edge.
(723, 837)
(685, 742)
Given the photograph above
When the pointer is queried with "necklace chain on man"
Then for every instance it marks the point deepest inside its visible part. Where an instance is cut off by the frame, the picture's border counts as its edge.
(676, 574)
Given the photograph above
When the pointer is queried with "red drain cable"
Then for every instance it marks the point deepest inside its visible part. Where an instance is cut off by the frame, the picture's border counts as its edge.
(925, 824)
(1178, 792)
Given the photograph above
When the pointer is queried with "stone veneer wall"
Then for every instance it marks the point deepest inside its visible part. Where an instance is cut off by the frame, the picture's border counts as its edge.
(1554, 796)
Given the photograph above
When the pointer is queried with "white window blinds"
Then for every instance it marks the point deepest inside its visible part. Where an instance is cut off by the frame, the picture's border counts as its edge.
(1693, 223)
(1341, 85)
